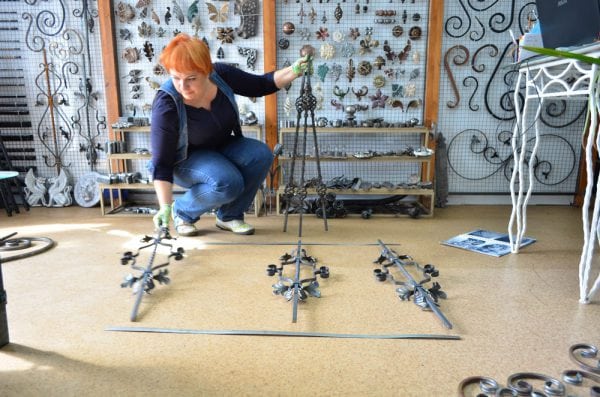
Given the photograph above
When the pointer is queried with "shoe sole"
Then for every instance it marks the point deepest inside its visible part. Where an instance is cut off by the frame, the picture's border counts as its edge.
(247, 233)
(188, 234)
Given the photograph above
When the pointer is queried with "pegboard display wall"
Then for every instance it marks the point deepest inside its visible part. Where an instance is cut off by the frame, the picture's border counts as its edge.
(369, 55)
(476, 107)
(368, 71)
(370, 58)
(52, 113)
(232, 31)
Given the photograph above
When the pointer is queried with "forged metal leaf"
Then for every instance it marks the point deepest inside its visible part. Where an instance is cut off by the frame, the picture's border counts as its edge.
(313, 290)
(289, 294)
(279, 288)
(404, 293)
(302, 295)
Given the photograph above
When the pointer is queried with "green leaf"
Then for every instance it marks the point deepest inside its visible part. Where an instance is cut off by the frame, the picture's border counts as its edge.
(562, 54)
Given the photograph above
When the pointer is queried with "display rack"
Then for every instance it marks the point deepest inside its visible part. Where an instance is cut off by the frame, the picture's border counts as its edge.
(114, 191)
(347, 161)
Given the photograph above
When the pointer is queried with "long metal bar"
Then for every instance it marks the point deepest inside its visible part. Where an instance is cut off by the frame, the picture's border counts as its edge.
(281, 333)
(297, 284)
(385, 251)
(293, 243)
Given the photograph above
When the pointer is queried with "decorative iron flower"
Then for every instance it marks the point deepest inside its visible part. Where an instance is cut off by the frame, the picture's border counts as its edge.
(305, 34)
(378, 100)
(354, 33)
(225, 35)
(322, 33)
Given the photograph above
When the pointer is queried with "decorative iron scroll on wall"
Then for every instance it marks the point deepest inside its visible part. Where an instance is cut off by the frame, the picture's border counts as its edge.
(498, 158)
(479, 75)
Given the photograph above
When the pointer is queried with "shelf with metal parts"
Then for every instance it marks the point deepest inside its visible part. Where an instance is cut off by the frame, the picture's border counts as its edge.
(122, 159)
(353, 159)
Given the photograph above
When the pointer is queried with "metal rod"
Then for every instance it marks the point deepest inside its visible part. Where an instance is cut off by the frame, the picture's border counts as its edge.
(297, 283)
(281, 333)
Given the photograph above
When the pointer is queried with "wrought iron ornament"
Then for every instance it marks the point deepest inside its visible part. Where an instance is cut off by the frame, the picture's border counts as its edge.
(305, 106)
(144, 281)
(297, 289)
(426, 298)
(536, 384)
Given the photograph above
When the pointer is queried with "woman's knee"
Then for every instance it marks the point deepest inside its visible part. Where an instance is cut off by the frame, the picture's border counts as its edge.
(264, 155)
(228, 188)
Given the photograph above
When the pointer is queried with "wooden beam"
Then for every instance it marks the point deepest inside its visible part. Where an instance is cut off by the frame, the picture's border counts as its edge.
(109, 62)
(270, 61)
(434, 58)
(432, 83)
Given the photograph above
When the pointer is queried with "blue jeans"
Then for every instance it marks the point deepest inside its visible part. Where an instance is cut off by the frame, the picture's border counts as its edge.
(227, 179)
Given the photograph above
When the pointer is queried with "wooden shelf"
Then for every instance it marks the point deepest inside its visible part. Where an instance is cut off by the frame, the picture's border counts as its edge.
(116, 202)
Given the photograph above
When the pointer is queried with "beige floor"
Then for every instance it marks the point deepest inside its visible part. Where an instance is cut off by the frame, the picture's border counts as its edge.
(514, 313)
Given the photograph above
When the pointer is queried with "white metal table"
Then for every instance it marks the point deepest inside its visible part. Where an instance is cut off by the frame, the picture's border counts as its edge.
(556, 78)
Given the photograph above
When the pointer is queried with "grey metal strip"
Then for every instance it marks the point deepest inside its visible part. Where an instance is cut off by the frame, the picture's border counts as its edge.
(281, 333)
(296, 243)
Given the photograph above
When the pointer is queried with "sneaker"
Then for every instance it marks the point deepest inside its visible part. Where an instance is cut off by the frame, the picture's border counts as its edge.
(236, 226)
(184, 228)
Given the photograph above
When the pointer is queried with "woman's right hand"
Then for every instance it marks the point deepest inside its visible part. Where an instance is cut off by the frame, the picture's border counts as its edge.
(163, 216)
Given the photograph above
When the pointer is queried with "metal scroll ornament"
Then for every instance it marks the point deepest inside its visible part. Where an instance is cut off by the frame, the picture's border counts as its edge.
(537, 384)
(144, 281)
(296, 288)
(294, 194)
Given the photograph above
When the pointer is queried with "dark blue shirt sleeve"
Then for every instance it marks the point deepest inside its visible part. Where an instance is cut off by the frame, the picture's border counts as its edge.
(244, 83)
(164, 133)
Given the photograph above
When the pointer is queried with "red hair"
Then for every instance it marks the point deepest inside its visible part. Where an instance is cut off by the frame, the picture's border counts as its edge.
(187, 54)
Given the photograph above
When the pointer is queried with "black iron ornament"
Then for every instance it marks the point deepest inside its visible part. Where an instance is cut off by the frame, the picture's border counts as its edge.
(426, 298)
(296, 288)
(295, 192)
(144, 281)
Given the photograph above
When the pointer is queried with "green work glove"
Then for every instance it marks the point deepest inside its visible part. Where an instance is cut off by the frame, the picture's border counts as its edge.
(302, 65)
(163, 216)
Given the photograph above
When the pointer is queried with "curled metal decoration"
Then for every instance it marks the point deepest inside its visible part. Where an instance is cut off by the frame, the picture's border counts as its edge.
(88, 15)
(506, 99)
(519, 383)
(492, 53)
(48, 23)
(486, 385)
(525, 13)
(458, 59)
(582, 353)
(493, 3)
(57, 48)
(499, 18)
(35, 43)
(456, 23)
(58, 127)
(576, 377)
(557, 108)
(474, 35)
(467, 81)
(478, 144)
(71, 68)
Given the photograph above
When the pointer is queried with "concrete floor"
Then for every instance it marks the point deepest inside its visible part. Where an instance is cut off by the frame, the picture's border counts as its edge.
(513, 314)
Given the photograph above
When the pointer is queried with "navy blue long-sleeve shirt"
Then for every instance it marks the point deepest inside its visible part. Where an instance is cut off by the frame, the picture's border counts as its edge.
(206, 129)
